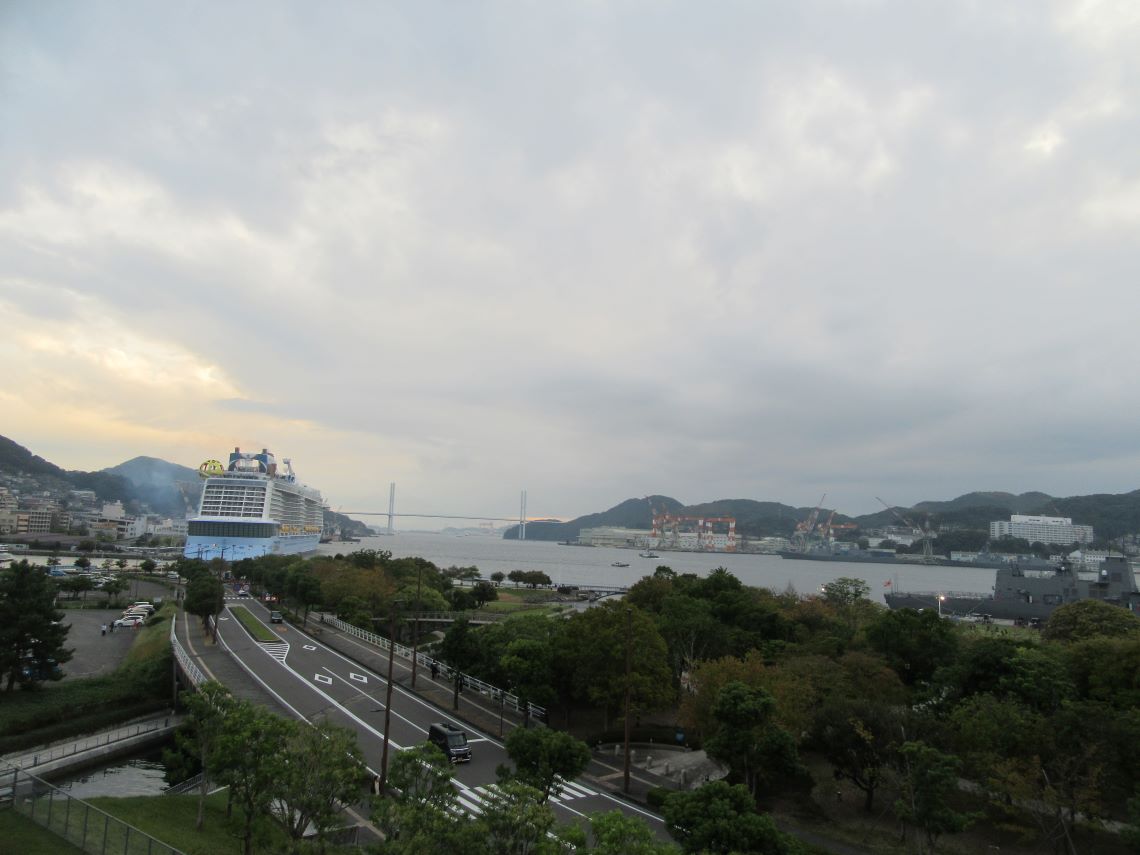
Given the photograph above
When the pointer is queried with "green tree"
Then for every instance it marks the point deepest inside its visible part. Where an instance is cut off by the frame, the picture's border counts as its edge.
(614, 833)
(418, 813)
(460, 650)
(251, 742)
(592, 647)
(205, 597)
(914, 643)
(31, 633)
(845, 591)
(544, 758)
(207, 710)
(718, 818)
(112, 588)
(746, 739)
(1087, 619)
(321, 774)
(304, 588)
(515, 821)
(83, 562)
(148, 566)
(928, 781)
(484, 592)
(497, 577)
(856, 734)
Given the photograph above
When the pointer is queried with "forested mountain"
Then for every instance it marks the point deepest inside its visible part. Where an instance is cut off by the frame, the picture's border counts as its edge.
(167, 488)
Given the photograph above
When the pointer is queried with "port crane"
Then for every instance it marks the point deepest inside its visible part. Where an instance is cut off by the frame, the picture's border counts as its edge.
(924, 532)
(805, 527)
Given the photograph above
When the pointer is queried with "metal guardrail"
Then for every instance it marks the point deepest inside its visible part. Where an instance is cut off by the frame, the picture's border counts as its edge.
(92, 830)
(506, 699)
(189, 668)
(186, 786)
(47, 755)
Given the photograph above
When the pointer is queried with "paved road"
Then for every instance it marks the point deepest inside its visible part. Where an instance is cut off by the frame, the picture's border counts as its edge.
(315, 682)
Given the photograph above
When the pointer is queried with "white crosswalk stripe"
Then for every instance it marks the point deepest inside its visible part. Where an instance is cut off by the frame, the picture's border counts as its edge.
(277, 649)
(474, 799)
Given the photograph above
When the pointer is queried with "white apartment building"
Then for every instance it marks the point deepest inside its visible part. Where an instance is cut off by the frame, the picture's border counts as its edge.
(1041, 529)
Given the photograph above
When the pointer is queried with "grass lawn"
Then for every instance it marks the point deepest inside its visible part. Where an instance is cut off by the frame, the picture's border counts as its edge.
(22, 835)
(253, 626)
(171, 819)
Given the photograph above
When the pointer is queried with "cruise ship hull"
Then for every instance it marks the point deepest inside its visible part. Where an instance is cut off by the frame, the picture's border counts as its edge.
(237, 548)
(253, 508)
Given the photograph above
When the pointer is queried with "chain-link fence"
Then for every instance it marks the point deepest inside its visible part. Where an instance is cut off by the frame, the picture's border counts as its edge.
(92, 830)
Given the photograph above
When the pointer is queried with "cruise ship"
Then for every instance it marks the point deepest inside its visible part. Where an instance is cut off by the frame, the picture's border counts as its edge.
(253, 507)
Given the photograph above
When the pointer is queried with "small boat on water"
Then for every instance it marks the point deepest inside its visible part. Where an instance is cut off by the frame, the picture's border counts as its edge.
(619, 564)
(649, 554)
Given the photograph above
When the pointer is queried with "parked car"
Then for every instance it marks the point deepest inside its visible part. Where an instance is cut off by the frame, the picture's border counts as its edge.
(35, 670)
(275, 617)
(451, 741)
(130, 620)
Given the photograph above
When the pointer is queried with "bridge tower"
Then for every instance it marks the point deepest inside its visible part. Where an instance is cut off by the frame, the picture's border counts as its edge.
(522, 516)
(391, 506)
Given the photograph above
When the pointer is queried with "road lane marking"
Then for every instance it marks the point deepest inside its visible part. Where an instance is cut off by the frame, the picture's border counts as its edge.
(375, 701)
(321, 678)
(360, 678)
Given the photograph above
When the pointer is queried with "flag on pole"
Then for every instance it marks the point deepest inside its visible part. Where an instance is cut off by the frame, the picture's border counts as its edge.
(887, 584)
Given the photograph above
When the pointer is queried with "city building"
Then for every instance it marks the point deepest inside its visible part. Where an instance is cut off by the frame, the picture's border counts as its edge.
(1041, 529)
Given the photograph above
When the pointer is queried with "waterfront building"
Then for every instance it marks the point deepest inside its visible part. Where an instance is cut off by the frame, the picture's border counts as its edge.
(1042, 529)
(614, 536)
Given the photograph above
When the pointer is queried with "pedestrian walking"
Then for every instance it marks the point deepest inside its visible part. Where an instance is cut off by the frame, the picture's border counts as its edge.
(434, 669)
(103, 629)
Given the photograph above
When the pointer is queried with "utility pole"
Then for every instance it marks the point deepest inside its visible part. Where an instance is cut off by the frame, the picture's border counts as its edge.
(416, 629)
(388, 700)
(628, 674)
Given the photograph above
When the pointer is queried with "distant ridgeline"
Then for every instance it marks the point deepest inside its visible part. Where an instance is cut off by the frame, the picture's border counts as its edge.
(1111, 515)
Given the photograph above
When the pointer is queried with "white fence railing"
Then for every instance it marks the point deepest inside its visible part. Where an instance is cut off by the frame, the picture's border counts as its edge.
(504, 698)
(190, 669)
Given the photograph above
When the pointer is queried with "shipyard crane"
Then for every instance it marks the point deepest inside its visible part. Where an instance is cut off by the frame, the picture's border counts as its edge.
(805, 528)
(923, 531)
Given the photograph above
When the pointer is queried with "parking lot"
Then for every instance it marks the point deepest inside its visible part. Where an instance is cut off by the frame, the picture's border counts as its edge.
(96, 653)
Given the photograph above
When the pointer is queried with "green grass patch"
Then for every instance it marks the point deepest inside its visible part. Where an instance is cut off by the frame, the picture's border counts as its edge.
(253, 626)
(152, 639)
(171, 819)
(22, 835)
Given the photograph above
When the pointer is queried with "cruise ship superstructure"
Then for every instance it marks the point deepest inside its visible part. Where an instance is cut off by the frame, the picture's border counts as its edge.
(253, 507)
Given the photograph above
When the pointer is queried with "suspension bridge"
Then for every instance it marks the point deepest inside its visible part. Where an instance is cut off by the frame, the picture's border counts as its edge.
(392, 516)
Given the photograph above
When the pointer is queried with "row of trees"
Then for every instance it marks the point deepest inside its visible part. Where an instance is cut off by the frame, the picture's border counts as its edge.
(890, 699)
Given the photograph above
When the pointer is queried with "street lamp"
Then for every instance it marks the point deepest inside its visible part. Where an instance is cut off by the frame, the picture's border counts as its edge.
(940, 599)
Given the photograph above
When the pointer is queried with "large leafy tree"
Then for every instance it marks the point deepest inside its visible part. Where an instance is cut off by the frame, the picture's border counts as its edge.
(750, 743)
(858, 734)
(614, 833)
(1090, 619)
(515, 821)
(205, 596)
(460, 649)
(251, 743)
(31, 632)
(544, 758)
(929, 780)
(207, 709)
(719, 818)
(321, 774)
(420, 813)
(914, 643)
(595, 642)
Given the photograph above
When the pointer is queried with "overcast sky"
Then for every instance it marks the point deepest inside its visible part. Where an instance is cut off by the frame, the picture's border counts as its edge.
(594, 250)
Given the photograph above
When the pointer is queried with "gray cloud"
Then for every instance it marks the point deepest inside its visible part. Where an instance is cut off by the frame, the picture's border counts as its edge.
(596, 251)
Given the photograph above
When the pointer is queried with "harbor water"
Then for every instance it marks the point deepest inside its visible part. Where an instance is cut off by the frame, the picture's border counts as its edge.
(585, 566)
